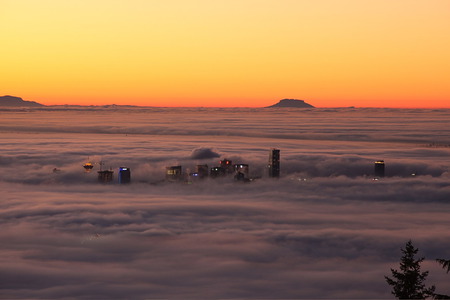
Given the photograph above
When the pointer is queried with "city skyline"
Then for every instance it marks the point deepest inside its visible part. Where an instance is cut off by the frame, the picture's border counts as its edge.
(227, 54)
(212, 149)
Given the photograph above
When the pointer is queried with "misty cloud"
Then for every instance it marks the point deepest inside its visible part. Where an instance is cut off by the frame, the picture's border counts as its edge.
(204, 153)
(324, 229)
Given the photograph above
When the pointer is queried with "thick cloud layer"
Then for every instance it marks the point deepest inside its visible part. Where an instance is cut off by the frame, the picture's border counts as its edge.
(324, 229)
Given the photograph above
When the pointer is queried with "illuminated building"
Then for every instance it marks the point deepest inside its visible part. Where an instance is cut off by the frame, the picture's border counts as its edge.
(274, 163)
(379, 168)
(241, 168)
(88, 167)
(105, 176)
(201, 172)
(124, 175)
(227, 166)
(174, 173)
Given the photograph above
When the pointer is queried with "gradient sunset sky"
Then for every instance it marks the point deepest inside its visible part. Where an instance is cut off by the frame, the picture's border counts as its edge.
(248, 53)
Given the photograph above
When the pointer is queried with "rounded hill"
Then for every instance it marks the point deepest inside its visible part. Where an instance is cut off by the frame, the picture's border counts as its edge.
(292, 103)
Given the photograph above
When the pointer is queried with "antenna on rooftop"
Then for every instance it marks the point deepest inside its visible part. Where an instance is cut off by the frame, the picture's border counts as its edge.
(101, 163)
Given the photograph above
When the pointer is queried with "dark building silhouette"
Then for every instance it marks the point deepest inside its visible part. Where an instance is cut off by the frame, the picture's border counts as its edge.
(174, 173)
(241, 168)
(124, 175)
(274, 163)
(227, 166)
(202, 171)
(240, 177)
(217, 172)
(241, 172)
(379, 168)
(105, 176)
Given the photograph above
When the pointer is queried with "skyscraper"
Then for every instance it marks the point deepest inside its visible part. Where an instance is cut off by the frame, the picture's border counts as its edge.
(379, 168)
(124, 175)
(274, 163)
(105, 176)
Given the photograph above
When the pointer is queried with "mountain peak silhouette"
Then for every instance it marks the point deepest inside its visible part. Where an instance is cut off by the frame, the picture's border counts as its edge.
(292, 103)
(11, 101)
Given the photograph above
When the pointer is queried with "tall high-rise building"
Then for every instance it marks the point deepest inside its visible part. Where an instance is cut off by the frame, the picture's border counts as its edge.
(105, 176)
(274, 163)
(379, 168)
(124, 175)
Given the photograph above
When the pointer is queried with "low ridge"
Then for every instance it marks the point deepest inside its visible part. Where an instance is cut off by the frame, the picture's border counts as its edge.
(11, 101)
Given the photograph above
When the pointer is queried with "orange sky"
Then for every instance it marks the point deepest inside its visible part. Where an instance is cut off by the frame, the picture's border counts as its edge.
(331, 53)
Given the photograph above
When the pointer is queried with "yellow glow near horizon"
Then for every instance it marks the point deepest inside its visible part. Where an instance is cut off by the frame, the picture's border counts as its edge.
(227, 53)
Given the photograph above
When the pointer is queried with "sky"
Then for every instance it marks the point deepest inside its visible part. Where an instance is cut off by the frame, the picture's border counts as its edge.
(232, 53)
(323, 230)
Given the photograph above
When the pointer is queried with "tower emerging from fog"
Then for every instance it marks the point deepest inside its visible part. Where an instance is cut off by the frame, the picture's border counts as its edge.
(274, 163)
(379, 168)
(105, 176)
(124, 175)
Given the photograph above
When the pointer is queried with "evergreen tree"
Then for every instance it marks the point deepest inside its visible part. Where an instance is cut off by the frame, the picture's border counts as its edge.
(445, 263)
(408, 283)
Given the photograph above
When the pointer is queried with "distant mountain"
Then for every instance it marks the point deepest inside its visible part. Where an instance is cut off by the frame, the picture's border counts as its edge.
(292, 103)
(11, 101)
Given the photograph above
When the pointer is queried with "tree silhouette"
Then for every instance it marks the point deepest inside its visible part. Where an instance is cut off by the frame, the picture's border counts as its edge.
(445, 263)
(408, 283)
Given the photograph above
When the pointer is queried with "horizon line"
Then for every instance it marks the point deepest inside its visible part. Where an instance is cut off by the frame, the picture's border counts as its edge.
(314, 107)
